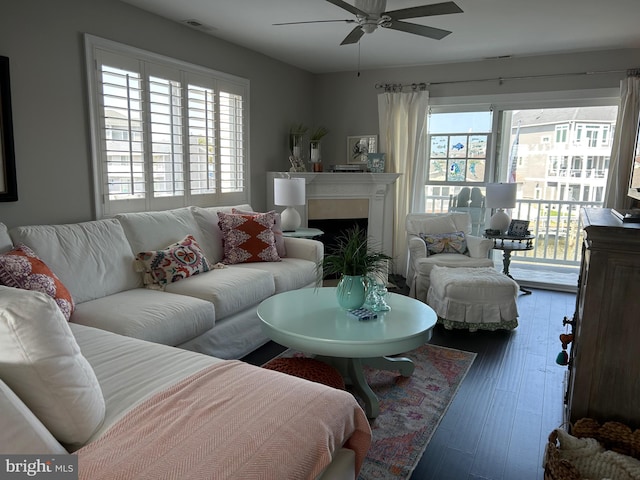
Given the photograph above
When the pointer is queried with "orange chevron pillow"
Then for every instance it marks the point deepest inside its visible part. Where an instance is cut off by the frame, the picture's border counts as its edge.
(248, 238)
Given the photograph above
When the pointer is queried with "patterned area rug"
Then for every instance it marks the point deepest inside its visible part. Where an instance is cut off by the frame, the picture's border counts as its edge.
(410, 408)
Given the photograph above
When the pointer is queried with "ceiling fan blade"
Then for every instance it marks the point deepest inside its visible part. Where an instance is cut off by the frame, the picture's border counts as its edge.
(416, 29)
(315, 21)
(354, 36)
(444, 8)
(348, 7)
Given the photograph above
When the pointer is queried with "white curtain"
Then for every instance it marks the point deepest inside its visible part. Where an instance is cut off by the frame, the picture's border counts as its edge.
(622, 151)
(402, 117)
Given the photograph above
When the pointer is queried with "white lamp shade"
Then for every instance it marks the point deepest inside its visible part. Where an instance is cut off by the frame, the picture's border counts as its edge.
(501, 195)
(288, 191)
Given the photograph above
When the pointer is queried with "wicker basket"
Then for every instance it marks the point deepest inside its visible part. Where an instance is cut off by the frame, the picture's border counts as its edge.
(614, 436)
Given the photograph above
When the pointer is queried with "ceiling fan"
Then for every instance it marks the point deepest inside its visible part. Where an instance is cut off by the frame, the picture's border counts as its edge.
(371, 14)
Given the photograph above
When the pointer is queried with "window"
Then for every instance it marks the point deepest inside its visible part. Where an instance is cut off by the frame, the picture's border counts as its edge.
(166, 133)
(562, 133)
(458, 147)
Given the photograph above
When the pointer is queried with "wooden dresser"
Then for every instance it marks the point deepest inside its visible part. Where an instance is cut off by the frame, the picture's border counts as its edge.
(604, 358)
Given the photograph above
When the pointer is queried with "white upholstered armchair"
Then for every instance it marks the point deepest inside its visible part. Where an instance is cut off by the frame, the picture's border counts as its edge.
(421, 261)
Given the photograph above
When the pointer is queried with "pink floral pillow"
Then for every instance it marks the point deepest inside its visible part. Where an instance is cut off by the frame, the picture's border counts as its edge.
(445, 243)
(21, 268)
(177, 261)
(248, 238)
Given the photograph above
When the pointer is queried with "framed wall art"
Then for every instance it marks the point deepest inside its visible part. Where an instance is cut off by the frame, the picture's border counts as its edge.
(358, 147)
(375, 162)
(518, 228)
(8, 184)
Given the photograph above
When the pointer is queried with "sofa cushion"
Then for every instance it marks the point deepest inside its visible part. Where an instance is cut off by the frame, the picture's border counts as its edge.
(21, 433)
(454, 242)
(156, 230)
(276, 228)
(130, 370)
(231, 290)
(5, 240)
(42, 363)
(288, 274)
(425, 265)
(207, 218)
(92, 259)
(21, 268)
(177, 261)
(248, 238)
(159, 317)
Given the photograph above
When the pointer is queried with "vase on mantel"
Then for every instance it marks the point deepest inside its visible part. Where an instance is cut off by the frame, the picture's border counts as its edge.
(351, 291)
(314, 154)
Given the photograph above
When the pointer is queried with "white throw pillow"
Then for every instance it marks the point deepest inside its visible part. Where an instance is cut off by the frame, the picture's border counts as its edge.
(41, 362)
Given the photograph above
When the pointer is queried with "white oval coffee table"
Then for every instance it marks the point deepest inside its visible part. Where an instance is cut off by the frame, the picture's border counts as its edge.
(310, 320)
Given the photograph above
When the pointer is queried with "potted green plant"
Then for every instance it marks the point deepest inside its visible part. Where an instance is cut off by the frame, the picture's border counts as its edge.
(314, 146)
(296, 135)
(353, 260)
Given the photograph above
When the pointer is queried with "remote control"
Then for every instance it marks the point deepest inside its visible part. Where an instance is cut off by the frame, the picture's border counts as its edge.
(363, 314)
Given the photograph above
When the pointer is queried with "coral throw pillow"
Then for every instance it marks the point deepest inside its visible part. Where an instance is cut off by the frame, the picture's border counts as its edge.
(277, 230)
(177, 261)
(248, 238)
(21, 268)
(445, 242)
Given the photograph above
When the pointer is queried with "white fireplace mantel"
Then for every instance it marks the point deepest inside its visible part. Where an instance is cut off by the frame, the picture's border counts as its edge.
(377, 188)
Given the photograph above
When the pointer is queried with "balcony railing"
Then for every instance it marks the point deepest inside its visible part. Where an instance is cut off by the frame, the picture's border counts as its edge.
(555, 225)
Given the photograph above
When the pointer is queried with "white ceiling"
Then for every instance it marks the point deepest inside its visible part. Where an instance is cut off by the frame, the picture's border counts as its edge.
(487, 28)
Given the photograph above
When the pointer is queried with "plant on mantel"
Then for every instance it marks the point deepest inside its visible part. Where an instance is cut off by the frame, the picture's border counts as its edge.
(314, 144)
(318, 134)
(296, 134)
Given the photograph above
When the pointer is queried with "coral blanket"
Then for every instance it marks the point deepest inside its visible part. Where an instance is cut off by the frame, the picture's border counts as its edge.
(231, 420)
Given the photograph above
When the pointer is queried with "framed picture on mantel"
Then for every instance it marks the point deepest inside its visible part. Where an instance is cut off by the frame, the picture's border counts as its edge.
(8, 184)
(358, 147)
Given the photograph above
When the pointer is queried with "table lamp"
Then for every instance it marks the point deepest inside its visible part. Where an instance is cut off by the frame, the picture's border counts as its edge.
(501, 196)
(288, 192)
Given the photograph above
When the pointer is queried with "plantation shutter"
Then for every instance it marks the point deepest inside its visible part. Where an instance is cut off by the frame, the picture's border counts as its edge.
(166, 135)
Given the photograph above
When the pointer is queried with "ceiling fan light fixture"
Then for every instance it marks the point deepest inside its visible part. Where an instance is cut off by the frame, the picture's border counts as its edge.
(371, 14)
(371, 6)
(369, 27)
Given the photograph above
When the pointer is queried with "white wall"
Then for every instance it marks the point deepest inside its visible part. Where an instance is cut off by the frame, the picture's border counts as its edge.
(347, 103)
(44, 42)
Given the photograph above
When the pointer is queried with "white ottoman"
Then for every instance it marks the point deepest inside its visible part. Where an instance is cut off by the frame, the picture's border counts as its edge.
(473, 298)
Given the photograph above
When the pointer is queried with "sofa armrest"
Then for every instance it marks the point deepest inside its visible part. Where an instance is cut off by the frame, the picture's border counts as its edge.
(479, 247)
(304, 248)
(417, 247)
(20, 430)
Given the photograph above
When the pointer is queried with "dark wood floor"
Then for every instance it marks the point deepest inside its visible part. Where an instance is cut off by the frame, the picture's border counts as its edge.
(512, 398)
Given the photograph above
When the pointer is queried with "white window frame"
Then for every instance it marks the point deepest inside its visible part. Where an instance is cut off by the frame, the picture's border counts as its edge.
(488, 155)
(186, 74)
(500, 104)
(562, 133)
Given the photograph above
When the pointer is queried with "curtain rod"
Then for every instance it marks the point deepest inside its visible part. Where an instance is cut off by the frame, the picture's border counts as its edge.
(394, 87)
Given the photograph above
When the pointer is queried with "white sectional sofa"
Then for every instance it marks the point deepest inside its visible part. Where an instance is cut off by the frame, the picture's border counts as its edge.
(213, 312)
(104, 382)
